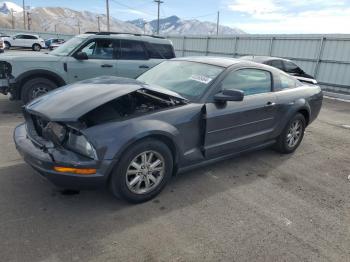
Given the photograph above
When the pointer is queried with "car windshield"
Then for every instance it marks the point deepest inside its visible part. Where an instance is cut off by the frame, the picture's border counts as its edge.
(68, 46)
(188, 79)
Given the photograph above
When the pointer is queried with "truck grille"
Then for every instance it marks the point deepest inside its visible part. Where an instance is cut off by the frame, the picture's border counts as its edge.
(5, 70)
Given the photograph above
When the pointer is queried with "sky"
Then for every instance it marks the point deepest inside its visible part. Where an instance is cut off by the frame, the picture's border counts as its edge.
(252, 16)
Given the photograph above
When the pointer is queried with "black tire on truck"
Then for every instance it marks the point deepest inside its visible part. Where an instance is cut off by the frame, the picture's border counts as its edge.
(36, 87)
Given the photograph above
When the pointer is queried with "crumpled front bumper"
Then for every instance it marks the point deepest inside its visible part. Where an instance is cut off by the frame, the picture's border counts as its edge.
(44, 159)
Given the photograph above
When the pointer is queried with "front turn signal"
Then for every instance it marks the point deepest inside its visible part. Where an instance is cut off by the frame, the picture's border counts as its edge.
(72, 170)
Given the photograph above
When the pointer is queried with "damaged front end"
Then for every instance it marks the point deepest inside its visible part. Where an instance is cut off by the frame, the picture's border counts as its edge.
(137, 103)
(55, 140)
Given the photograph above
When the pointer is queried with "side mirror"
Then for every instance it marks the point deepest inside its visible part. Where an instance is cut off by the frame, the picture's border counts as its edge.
(81, 56)
(229, 95)
(14, 38)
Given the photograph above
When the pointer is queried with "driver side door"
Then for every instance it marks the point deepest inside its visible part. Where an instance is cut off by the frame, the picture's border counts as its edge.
(233, 126)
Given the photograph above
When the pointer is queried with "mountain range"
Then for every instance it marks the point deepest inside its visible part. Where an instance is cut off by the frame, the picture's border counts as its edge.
(68, 21)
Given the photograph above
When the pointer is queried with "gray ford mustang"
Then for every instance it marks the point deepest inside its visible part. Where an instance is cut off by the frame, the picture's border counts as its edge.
(132, 135)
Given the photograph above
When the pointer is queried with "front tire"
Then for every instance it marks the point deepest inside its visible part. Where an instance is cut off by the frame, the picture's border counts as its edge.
(292, 135)
(36, 87)
(7, 45)
(142, 172)
(36, 47)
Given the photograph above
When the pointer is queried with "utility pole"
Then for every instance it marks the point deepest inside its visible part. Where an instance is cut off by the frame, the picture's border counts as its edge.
(13, 19)
(55, 28)
(158, 2)
(78, 26)
(24, 15)
(29, 18)
(98, 23)
(107, 9)
(144, 27)
(217, 23)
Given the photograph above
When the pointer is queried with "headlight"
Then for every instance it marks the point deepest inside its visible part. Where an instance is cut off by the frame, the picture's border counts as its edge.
(55, 132)
(78, 143)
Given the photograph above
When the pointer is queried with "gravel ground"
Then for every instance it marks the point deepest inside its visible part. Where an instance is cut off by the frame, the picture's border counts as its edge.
(262, 206)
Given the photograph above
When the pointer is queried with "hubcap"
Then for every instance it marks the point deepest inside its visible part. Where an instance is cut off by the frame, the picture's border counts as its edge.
(294, 133)
(145, 172)
(39, 91)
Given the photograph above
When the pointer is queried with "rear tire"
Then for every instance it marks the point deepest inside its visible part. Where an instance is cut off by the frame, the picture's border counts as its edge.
(139, 184)
(36, 87)
(36, 47)
(292, 135)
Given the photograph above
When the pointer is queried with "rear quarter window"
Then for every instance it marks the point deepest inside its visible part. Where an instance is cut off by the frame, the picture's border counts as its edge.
(160, 51)
(287, 82)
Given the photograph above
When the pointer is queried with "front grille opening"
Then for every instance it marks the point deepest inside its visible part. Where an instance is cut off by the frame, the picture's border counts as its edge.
(39, 124)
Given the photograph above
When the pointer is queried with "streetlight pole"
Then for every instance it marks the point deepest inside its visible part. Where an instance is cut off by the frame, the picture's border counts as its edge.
(217, 23)
(24, 15)
(13, 18)
(158, 2)
(98, 23)
(107, 11)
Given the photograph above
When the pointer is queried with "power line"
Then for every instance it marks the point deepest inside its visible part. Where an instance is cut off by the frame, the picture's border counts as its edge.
(132, 8)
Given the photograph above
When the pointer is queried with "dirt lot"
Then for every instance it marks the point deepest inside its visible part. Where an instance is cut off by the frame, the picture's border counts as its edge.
(259, 207)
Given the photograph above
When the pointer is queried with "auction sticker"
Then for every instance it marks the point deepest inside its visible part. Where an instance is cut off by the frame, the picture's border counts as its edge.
(202, 79)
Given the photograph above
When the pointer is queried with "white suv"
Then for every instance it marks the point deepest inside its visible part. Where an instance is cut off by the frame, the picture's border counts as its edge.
(25, 40)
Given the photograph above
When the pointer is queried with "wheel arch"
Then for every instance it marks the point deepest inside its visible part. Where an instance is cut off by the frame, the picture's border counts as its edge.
(167, 138)
(35, 74)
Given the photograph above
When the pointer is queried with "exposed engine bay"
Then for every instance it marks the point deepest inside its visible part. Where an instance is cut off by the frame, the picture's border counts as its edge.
(131, 105)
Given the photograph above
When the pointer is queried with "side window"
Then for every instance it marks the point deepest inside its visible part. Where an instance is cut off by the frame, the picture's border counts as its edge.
(291, 67)
(250, 81)
(160, 51)
(132, 50)
(277, 64)
(29, 37)
(19, 36)
(287, 81)
(99, 49)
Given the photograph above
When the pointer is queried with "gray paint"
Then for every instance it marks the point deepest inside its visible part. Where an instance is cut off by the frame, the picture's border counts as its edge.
(200, 131)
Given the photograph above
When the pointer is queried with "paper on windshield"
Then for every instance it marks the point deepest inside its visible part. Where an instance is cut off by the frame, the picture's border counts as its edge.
(201, 79)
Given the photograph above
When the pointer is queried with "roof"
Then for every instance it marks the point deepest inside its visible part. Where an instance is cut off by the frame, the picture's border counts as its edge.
(262, 59)
(128, 36)
(212, 60)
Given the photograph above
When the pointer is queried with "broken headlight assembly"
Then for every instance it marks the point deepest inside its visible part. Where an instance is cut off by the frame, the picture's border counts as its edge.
(79, 144)
(70, 139)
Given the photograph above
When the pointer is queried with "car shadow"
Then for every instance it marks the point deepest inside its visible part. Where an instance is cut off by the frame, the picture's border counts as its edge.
(96, 214)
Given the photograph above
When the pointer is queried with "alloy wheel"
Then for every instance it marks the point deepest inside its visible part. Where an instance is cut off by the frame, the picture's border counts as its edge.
(39, 91)
(145, 172)
(294, 133)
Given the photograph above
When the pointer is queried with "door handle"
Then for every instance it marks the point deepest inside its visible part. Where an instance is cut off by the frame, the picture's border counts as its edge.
(268, 104)
(144, 66)
(106, 65)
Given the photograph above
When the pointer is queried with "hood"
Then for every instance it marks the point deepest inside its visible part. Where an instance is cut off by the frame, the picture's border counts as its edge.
(28, 57)
(69, 103)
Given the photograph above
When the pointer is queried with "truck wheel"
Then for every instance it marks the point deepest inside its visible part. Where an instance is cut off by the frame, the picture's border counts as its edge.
(36, 87)
(142, 172)
(36, 47)
(291, 136)
(7, 45)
